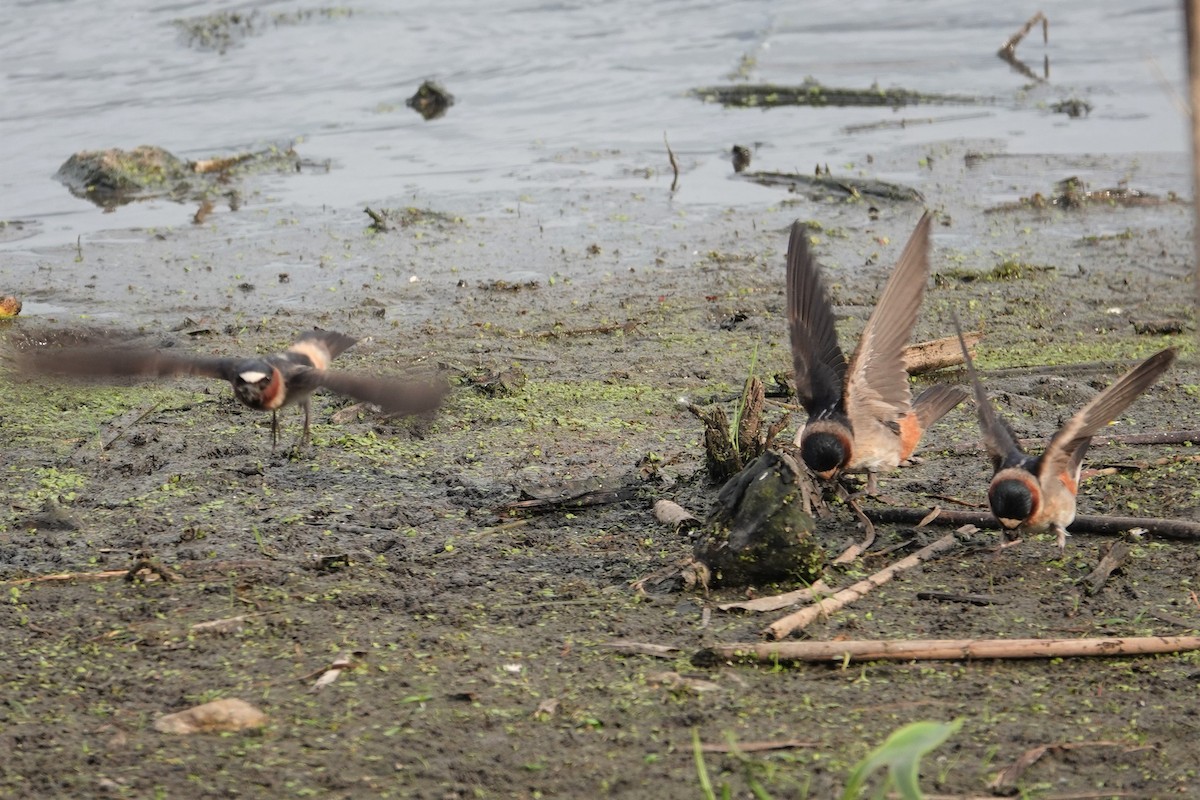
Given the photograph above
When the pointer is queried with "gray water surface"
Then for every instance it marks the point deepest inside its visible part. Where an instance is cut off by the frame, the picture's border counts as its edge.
(569, 95)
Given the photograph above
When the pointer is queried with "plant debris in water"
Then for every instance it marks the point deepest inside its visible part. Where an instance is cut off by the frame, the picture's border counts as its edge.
(813, 93)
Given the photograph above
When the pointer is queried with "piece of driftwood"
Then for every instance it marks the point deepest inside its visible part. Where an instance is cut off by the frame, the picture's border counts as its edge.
(807, 615)
(1103, 525)
(946, 649)
(937, 354)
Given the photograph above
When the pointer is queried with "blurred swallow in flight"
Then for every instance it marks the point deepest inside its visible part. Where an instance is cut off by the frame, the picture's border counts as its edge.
(264, 383)
(861, 413)
(1037, 494)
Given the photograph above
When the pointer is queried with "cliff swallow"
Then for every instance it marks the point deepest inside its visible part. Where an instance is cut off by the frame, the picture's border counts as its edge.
(1037, 494)
(861, 413)
(266, 383)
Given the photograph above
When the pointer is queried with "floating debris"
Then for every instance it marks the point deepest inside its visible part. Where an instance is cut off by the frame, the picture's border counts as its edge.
(1072, 192)
(823, 186)
(431, 100)
(10, 306)
(113, 177)
(222, 30)
(812, 93)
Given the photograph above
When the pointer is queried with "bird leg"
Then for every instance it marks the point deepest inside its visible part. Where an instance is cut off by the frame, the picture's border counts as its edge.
(274, 430)
(1060, 537)
(306, 438)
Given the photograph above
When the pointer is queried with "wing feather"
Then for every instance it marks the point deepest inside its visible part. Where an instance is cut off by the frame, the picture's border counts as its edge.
(817, 358)
(877, 388)
(1067, 447)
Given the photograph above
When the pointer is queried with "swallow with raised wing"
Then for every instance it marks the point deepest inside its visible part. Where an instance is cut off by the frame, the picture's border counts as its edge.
(1037, 493)
(265, 383)
(861, 413)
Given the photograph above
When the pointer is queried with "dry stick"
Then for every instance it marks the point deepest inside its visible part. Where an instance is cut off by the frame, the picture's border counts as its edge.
(1010, 44)
(937, 353)
(806, 616)
(778, 601)
(1008, 777)
(674, 163)
(1158, 437)
(1192, 17)
(858, 548)
(1178, 529)
(951, 649)
(70, 576)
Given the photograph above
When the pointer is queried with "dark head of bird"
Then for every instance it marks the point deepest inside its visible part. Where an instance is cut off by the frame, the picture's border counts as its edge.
(258, 385)
(825, 453)
(1012, 502)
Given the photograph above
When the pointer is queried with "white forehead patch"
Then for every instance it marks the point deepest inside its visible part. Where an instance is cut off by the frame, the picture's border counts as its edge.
(252, 376)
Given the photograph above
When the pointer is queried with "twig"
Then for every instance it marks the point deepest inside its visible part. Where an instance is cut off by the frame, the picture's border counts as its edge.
(70, 576)
(755, 747)
(1010, 44)
(1154, 437)
(806, 616)
(951, 597)
(1177, 529)
(1008, 777)
(858, 548)
(1115, 556)
(674, 163)
(778, 601)
(948, 649)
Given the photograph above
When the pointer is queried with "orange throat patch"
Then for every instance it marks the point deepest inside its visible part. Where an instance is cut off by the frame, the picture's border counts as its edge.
(274, 395)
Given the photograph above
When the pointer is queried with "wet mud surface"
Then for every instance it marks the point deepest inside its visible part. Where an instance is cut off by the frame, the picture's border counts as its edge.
(480, 638)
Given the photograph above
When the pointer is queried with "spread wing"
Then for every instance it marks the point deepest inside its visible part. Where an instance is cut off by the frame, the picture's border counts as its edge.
(877, 388)
(998, 437)
(105, 362)
(818, 360)
(1067, 447)
(394, 396)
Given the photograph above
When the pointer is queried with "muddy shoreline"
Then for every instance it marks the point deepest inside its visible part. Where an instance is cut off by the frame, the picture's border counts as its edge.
(479, 638)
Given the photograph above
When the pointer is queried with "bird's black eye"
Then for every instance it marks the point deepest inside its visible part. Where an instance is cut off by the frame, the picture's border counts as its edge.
(264, 382)
(1011, 500)
(823, 452)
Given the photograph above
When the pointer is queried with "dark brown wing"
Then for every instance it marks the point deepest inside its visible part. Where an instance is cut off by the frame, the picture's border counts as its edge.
(877, 388)
(104, 362)
(818, 360)
(392, 395)
(998, 438)
(1067, 447)
(334, 343)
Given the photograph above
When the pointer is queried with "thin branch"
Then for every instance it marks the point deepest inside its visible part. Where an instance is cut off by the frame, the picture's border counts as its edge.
(1102, 525)
(674, 163)
(1154, 437)
(806, 616)
(948, 649)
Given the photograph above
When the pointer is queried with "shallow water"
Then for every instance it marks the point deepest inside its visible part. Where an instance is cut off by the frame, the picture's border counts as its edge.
(554, 94)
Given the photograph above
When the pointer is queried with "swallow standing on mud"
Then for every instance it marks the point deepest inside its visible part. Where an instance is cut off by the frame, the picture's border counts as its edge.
(1037, 494)
(861, 413)
(265, 383)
